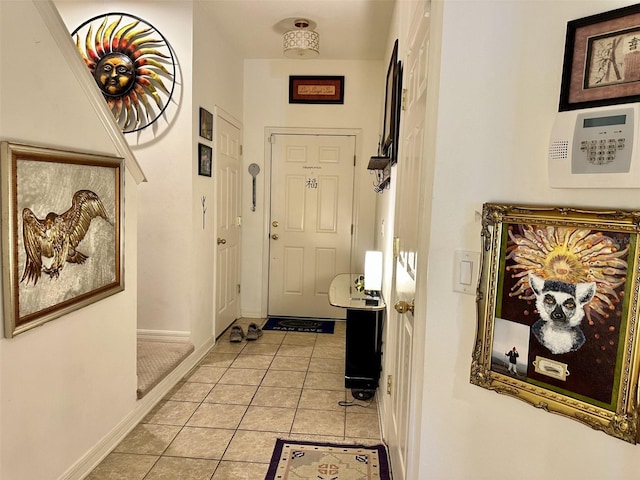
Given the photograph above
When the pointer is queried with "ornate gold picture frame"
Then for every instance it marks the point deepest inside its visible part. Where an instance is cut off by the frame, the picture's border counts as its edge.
(62, 239)
(557, 312)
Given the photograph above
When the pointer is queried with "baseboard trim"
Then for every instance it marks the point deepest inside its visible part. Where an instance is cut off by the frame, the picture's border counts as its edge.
(164, 335)
(143, 406)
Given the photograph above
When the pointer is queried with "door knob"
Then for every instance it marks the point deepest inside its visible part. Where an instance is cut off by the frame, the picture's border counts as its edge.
(274, 223)
(275, 236)
(221, 241)
(403, 307)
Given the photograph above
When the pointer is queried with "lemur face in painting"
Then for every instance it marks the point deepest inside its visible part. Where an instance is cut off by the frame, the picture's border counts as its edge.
(561, 309)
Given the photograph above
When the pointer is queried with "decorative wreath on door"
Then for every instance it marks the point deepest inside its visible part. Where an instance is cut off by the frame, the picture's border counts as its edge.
(132, 64)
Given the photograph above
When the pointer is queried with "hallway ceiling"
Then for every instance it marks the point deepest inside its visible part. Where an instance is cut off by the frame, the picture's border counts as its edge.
(349, 29)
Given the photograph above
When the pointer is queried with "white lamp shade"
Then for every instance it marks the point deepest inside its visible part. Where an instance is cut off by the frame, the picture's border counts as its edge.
(301, 43)
(373, 271)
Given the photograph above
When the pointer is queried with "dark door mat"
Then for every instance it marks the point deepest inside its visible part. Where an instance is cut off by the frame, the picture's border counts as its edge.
(298, 324)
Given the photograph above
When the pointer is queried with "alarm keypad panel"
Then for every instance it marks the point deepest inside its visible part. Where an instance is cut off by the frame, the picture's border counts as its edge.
(603, 143)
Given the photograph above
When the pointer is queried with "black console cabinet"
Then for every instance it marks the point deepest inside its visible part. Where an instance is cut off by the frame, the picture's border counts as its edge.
(365, 317)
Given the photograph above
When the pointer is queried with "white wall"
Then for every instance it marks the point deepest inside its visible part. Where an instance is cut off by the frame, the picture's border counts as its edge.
(65, 384)
(217, 81)
(165, 152)
(499, 89)
(266, 104)
(176, 288)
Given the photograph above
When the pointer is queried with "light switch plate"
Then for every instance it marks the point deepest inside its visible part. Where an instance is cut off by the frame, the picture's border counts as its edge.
(465, 271)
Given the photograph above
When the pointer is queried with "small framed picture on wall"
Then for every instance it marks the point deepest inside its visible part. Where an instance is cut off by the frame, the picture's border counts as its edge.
(205, 160)
(206, 124)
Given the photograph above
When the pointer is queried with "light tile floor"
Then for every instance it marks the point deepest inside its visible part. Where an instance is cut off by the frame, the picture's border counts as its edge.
(222, 420)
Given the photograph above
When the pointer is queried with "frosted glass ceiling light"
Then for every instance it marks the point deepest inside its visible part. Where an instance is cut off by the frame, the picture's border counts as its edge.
(301, 42)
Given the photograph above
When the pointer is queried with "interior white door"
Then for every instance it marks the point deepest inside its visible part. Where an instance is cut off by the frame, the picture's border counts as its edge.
(410, 188)
(311, 221)
(228, 212)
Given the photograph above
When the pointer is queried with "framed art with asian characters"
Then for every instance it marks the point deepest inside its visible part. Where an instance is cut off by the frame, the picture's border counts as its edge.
(62, 242)
(316, 89)
(602, 60)
(557, 312)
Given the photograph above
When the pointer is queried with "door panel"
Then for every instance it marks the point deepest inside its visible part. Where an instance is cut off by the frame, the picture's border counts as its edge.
(228, 195)
(311, 218)
(328, 205)
(410, 189)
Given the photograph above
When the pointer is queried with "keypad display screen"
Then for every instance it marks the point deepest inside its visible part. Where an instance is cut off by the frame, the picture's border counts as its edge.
(604, 121)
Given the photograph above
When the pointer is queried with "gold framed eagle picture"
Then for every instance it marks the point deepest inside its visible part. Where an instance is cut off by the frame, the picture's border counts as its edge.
(62, 245)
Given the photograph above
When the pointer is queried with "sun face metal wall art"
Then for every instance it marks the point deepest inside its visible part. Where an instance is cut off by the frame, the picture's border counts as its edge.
(133, 65)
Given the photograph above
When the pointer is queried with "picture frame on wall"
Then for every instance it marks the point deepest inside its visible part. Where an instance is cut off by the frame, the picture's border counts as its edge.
(602, 60)
(392, 105)
(205, 160)
(62, 240)
(310, 89)
(557, 312)
(206, 124)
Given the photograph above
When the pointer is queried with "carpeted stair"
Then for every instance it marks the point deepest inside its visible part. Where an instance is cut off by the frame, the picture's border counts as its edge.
(156, 360)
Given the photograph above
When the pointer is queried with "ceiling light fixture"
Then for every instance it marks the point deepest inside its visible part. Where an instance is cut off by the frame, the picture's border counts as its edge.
(301, 42)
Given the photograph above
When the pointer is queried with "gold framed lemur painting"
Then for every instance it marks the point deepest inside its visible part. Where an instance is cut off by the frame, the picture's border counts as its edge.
(557, 312)
(62, 238)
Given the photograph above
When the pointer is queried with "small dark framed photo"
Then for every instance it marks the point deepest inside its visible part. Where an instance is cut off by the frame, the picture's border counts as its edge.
(205, 160)
(206, 124)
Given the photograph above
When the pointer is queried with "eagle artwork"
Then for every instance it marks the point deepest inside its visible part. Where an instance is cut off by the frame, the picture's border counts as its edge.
(51, 242)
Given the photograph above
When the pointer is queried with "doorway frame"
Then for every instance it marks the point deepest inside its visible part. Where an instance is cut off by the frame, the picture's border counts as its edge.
(268, 132)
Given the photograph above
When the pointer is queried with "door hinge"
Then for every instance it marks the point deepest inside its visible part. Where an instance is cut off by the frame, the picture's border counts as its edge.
(272, 138)
(404, 99)
(389, 381)
(354, 160)
(238, 287)
(396, 246)
(352, 228)
(241, 150)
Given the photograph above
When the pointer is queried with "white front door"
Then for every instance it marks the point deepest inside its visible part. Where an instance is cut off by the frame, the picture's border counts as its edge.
(228, 211)
(310, 221)
(411, 187)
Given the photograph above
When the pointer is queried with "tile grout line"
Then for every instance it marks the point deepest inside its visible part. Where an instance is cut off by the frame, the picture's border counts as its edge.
(231, 357)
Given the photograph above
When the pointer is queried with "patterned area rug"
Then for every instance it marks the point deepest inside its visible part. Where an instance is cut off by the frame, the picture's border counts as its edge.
(297, 324)
(294, 460)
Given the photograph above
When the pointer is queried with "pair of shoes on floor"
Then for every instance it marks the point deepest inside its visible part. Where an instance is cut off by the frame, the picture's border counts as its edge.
(237, 334)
